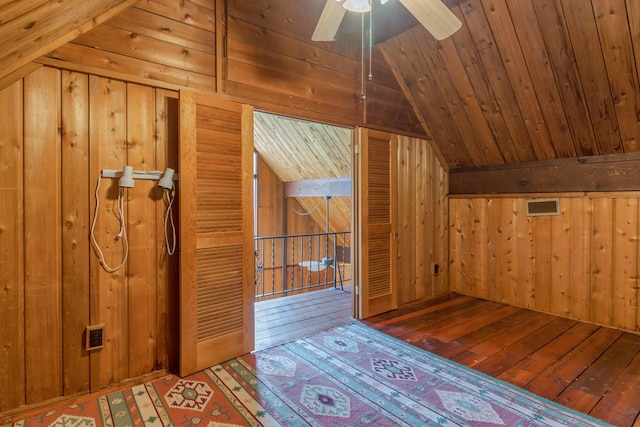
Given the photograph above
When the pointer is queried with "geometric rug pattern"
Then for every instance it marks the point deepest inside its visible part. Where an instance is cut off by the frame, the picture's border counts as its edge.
(348, 376)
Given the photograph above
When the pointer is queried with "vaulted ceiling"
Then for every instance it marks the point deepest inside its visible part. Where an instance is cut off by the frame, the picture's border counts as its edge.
(30, 29)
(523, 80)
(526, 80)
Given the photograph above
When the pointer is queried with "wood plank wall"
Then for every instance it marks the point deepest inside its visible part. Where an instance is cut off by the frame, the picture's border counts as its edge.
(582, 264)
(12, 290)
(52, 284)
(271, 63)
(422, 221)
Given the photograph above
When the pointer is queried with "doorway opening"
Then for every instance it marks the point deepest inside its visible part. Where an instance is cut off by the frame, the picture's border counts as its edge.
(302, 229)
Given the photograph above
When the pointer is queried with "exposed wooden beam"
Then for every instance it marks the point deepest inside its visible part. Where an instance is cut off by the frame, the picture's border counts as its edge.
(617, 172)
(11, 78)
(318, 187)
(50, 26)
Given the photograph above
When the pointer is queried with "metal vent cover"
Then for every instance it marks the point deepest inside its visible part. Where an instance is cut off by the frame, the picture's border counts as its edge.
(539, 207)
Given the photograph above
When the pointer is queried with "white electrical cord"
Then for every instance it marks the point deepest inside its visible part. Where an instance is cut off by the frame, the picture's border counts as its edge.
(309, 212)
(168, 217)
(122, 234)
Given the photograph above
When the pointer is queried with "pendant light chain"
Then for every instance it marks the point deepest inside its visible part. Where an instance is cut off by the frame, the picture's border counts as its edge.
(362, 47)
(370, 77)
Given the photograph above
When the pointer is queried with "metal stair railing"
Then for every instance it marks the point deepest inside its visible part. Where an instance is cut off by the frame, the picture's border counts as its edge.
(296, 263)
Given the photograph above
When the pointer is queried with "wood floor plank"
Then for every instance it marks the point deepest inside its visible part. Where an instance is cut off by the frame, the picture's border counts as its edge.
(447, 336)
(483, 350)
(462, 327)
(435, 320)
(598, 378)
(443, 312)
(529, 368)
(415, 310)
(288, 318)
(487, 333)
(521, 349)
(319, 296)
(579, 400)
(621, 404)
(296, 310)
(301, 319)
(561, 374)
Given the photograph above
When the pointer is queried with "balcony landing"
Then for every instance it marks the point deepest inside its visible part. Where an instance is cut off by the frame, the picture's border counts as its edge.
(288, 318)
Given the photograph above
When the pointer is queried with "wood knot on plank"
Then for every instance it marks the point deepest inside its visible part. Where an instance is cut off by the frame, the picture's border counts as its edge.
(29, 26)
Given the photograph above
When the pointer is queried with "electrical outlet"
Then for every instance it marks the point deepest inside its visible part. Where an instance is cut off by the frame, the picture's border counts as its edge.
(95, 337)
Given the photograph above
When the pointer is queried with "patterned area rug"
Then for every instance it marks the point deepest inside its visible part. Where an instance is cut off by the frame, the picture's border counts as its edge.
(347, 376)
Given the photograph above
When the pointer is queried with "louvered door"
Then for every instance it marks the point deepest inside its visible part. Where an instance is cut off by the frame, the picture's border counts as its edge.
(216, 231)
(375, 210)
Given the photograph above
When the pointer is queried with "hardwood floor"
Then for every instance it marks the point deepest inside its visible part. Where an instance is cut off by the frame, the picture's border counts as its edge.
(285, 319)
(592, 369)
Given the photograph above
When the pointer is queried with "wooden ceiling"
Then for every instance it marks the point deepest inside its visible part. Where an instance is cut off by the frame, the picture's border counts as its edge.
(29, 29)
(523, 80)
(526, 80)
(297, 149)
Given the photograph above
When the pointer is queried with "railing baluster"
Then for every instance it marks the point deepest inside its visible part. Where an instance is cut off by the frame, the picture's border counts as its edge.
(293, 262)
(262, 265)
(283, 262)
(326, 254)
(273, 266)
(336, 266)
(310, 258)
(316, 253)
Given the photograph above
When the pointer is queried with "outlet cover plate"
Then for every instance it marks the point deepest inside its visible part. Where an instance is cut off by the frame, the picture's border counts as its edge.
(95, 337)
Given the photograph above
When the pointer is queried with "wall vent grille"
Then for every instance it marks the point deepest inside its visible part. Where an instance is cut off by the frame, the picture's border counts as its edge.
(539, 207)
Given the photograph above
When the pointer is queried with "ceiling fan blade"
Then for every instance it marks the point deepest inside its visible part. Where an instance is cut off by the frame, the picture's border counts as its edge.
(329, 21)
(435, 16)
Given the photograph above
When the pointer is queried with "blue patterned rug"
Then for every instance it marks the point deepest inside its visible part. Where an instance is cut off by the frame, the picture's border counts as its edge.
(355, 376)
(348, 376)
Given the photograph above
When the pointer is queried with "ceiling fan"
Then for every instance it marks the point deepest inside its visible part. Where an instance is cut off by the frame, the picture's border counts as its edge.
(432, 14)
